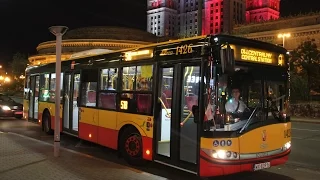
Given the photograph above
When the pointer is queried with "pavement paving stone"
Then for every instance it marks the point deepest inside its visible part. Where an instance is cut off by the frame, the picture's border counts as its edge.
(27, 159)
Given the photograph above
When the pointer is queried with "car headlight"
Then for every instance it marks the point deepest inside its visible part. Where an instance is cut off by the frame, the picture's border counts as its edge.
(6, 108)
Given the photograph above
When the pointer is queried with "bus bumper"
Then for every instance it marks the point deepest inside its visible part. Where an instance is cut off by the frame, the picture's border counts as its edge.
(210, 168)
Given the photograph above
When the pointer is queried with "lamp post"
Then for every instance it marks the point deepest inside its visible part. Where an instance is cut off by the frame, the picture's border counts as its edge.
(58, 31)
(283, 36)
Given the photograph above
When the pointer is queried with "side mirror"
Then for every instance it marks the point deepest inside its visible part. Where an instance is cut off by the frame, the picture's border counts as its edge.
(227, 60)
(195, 112)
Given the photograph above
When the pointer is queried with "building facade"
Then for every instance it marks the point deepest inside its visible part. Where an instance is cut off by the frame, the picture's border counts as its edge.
(262, 10)
(180, 17)
(301, 28)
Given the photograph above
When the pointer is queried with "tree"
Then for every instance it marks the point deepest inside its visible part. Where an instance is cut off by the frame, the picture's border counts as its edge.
(298, 88)
(305, 64)
(18, 65)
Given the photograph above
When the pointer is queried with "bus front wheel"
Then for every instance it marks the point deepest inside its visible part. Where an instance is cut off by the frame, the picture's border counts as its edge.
(46, 120)
(131, 146)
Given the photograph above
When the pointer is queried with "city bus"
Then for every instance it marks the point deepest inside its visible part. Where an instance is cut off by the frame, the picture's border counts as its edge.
(167, 103)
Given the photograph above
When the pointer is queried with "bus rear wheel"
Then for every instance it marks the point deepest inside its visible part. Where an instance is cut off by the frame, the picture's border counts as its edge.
(131, 146)
(46, 120)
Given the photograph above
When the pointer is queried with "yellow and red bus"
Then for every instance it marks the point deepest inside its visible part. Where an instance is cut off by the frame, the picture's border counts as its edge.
(166, 102)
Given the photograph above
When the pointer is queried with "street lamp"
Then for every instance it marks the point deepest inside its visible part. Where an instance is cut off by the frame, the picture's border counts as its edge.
(283, 36)
(58, 31)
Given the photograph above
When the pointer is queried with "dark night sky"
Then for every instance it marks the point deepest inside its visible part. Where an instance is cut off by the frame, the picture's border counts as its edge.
(24, 24)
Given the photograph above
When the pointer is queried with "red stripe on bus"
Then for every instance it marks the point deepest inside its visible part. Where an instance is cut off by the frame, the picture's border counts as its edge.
(52, 122)
(88, 132)
(107, 137)
(147, 148)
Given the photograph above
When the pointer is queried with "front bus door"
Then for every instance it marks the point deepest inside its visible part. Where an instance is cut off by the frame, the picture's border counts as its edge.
(176, 133)
(70, 106)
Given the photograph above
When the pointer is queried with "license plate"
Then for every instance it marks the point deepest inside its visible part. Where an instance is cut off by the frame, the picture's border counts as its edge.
(17, 112)
(261, 166)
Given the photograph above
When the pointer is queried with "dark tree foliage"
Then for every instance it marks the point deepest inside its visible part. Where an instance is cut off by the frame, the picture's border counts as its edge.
(305, 70)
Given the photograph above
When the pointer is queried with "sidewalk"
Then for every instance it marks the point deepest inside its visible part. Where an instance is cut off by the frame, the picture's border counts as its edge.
(30, 159)
(305, 120)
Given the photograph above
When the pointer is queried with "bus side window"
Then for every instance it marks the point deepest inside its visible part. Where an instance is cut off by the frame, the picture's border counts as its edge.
(136, 89)
(89, 85)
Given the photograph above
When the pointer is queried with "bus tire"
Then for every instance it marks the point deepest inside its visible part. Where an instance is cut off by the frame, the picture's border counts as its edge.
(18, 116)
(46, 121)
(131, 146)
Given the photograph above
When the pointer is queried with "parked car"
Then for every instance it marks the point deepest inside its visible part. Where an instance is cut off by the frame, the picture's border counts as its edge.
(10, 108)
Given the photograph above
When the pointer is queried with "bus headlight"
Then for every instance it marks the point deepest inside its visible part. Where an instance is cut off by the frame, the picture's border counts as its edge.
(6, 108)
(222, 154)
(286, 146)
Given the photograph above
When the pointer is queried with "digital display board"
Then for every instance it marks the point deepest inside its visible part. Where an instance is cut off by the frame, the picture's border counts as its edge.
(248, 54)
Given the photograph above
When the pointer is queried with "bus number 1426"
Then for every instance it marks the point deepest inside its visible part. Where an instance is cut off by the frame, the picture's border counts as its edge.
(184, 49)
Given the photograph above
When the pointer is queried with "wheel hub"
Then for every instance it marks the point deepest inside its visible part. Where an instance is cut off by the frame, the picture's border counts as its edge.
(132, 145)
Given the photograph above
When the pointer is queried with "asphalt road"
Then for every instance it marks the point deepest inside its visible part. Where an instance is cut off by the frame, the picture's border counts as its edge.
(304, 162)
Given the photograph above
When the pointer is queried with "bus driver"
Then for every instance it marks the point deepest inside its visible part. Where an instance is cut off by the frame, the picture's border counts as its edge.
(235, 105)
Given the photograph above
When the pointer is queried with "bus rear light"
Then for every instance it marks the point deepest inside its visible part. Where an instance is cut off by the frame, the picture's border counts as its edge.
(90, 135)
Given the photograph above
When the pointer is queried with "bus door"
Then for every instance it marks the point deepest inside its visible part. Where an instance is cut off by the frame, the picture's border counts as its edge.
(176, 132)
(34, 98)
(71, 86)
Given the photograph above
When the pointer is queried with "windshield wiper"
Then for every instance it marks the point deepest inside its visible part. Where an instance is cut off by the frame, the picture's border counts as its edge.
(249, 120)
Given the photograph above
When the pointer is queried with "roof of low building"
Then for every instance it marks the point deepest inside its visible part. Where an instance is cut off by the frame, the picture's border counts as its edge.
(106, 32)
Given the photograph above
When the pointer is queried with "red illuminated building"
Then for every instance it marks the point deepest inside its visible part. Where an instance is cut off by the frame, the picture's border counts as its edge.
(179, 17)
(262, 10)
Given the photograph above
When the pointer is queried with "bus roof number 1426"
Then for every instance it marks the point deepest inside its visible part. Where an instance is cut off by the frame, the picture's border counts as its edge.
(184, 49)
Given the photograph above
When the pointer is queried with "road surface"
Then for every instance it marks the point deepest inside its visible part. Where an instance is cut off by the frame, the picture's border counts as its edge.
(304, 162)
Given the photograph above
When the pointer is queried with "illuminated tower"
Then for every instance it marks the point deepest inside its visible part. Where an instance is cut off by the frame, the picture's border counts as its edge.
(262, 10)
(222, 15)
(161, 17)
(187, 22)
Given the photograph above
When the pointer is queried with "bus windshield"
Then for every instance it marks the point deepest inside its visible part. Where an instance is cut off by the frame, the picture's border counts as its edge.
(246, 99)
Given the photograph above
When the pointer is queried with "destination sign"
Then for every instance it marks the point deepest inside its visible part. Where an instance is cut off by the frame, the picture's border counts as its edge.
(249, 54)
(253, 55)
(136, 55)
